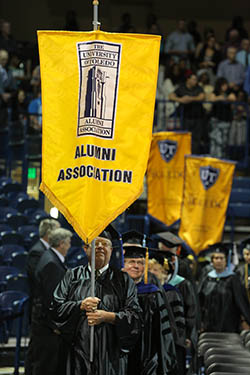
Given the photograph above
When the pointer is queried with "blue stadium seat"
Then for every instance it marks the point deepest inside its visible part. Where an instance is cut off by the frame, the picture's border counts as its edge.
(5, 271)
(30, 234)
(30, 204)
(5, 228)
(11, 238)
(17, 282)
(5, 211)
(241, 183)
(239, 195)
(19, 260)
(13, 309)
(15, 258)
(11, 189)
(16, 220)
(37, 216)
(4, 201)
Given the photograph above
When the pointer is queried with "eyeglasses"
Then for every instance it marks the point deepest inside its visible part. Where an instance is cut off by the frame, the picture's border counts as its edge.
(133, 262)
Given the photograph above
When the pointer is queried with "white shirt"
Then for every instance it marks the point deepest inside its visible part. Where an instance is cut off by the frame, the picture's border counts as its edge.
(46, 244)
(101, 270)
(60, 256)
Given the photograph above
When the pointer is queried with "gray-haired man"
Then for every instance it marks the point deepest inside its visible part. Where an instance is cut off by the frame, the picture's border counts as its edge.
(48, 348)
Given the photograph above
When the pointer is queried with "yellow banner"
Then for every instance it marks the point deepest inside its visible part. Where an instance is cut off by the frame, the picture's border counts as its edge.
(165, 175)
(207, 188)
(98, 95)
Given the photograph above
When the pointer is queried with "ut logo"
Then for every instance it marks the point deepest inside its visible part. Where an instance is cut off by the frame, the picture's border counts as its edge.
(99, 67)
(167, 149)
(208, 176)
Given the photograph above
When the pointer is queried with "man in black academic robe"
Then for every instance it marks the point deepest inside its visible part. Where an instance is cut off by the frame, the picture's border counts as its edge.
(154, 352)
(114, 313)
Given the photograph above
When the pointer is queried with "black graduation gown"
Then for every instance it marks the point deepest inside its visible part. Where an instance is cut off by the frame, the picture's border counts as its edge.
(117, 293)
(192, 316)
(222, 302)
(176, 303)
(241, 272)
(154, 352)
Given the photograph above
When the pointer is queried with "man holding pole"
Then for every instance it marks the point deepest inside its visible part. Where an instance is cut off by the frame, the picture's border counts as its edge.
(114, 313)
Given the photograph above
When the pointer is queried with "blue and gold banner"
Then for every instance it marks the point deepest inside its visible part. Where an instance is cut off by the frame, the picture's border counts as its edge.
(207, 188)
(165, 174)
(98, 97)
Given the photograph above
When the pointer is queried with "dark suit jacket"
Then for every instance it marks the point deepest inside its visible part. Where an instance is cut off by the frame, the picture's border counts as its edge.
(49, 272)
(34, 256)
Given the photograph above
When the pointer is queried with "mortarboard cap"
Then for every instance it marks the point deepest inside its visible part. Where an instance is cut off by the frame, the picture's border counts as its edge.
(133, 237)
(219, 247)
(164, 258)
(110, 233)
(169, 239)
(134, 251)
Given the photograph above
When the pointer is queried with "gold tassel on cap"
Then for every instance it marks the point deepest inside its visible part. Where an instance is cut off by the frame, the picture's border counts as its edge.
(146, 267)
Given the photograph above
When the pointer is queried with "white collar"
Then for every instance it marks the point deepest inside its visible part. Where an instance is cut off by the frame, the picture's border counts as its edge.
(46, 244)
(60, 256)
(101, 270)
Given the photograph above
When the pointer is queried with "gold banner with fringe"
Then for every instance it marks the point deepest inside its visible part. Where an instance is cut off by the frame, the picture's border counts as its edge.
(165, 174)
(98, 96)
(207, 188)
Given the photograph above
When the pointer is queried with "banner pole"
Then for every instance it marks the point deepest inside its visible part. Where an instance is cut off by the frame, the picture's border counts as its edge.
(96, 23)
(96, 26)
(92, 292)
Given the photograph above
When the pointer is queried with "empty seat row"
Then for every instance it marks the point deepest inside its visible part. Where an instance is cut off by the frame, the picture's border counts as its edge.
(222, 352)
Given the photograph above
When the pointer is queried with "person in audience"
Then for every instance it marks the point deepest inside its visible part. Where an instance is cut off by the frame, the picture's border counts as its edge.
(238, 129)
(171, 83)
(180, 43)
(8, 87)
(224, 305)
(19, 106)
(209, 57)
(7, 42)
(232, 70)
(233, 42)
(192, 29)
(190, 95)
(208, 31)
(237, 24)
(204, 81)
(114, 312)
(35, 115)
(221, 118)
(49, 349)
(243, 55)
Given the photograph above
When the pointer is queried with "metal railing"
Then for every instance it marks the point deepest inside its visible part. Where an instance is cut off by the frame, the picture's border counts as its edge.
(219, 129)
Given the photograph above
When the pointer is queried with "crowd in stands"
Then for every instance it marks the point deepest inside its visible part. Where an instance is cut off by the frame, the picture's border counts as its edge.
(193, 68)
